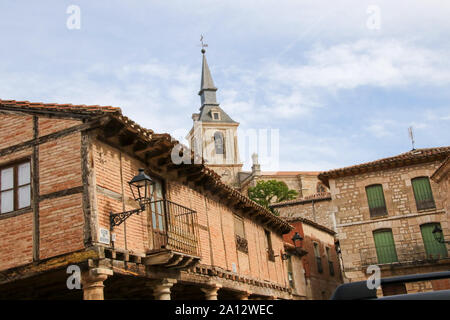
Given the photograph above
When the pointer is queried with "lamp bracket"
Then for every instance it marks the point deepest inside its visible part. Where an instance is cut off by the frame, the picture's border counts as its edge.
(116, 219)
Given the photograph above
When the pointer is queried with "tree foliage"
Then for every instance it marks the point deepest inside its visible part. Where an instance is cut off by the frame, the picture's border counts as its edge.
(271, 191)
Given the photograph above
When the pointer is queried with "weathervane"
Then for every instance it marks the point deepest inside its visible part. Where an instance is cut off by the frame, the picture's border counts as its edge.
(411, 136)
(203, 45)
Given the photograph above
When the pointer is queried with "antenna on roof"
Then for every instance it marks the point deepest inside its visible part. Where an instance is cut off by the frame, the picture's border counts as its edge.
(411, 136)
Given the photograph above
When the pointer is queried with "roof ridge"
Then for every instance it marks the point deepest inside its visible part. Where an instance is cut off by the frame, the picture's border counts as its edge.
(412, 155)
(61, 106)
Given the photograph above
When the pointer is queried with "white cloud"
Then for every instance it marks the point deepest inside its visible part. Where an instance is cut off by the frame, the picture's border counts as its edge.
(378, 63)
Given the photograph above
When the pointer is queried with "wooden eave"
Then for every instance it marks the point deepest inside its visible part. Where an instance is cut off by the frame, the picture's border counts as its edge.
(155, 151)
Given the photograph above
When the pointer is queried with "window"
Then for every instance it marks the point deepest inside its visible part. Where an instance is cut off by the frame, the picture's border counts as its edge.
(320, 187)
(375, 198)
(290, 272)
(219, 143)
(422, 193)
(433, 248)
(330, 262)
(270, 252)
(157, 206)
(216, 116)
(241, 241)
(318, 258)
(15, 187)
(385, 246)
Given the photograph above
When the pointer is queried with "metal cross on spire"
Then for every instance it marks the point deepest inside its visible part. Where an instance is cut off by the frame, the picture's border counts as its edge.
(203, 45)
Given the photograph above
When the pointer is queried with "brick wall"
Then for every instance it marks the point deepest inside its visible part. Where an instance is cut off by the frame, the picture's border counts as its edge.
(16, 241)
(15, 129)
(320, 285)
(61, 219)
(215, 220)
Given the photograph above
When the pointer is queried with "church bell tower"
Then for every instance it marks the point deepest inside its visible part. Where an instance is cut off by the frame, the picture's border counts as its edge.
(214, 133)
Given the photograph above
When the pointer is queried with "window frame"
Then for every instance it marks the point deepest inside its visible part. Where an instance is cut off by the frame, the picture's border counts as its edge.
(222, 138)
(213, 113)
(378, 249)
(15, 165)
(376, 212)
(241, 239)
(317, 256)
(422, 205)
(270, 252)
(330, 261)
(432, 248)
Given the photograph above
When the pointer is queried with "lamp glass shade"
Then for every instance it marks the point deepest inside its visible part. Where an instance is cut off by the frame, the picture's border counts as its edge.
(437, 234)
(297, 237)
(139, 186)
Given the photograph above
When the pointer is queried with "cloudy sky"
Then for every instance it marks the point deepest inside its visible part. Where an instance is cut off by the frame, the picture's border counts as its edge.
(341, 82)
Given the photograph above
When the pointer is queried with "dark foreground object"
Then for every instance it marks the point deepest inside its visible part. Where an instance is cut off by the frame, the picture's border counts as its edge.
(360, 291)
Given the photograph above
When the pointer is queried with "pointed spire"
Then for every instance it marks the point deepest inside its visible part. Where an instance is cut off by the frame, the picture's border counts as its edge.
(207, 89)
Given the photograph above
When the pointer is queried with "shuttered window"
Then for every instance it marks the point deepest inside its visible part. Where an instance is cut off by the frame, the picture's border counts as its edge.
(385, 246)
(433, 248)
(422, 193)
(375, 198)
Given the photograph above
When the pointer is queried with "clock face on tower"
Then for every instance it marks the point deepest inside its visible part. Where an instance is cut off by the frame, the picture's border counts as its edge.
(226, 173)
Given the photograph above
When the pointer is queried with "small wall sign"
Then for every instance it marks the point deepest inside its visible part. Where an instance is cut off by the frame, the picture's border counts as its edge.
(104, 236)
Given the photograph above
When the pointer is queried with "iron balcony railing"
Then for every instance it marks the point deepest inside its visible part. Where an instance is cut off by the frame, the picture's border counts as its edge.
(181, 228)
(403, 253)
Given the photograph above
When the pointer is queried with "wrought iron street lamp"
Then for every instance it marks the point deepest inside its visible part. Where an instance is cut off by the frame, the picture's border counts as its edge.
(299, 238)
(298, 248)
(139, 185)
(438, 234)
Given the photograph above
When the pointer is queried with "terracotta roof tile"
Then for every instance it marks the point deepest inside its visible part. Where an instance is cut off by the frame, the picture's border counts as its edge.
(80, 109)
(408, 158)
(311, 223)
(316, 196)
(288, 173)
(148, 135)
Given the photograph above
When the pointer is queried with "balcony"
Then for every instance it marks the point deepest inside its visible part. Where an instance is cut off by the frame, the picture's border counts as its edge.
(403, 254)
(175, 236)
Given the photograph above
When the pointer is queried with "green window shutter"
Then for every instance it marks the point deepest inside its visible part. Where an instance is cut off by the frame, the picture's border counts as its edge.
(433, 248)
(385, 246)
(375, 198)
(422, 193)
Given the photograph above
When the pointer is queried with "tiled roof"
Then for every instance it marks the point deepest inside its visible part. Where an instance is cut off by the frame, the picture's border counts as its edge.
(79, 109)
(408, 158)
(288, 173)
(311, 223)
(317, 196)
(443, 169)
(146, 134)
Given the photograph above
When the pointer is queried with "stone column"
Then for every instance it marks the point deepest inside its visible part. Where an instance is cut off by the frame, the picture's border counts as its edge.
(92, 282)
(161, 288)
(211, 291)
(243, 295)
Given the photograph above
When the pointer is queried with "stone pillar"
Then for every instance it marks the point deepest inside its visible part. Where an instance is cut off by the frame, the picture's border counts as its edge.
(243, 295)
(161, 288)
(211, 291)
(92, 282)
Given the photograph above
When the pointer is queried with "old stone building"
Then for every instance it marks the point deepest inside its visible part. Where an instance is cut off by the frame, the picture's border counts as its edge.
(442, 177)
(389, 213)
(66, 203)
(317, 208)
(313, 268)
(306, 183)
